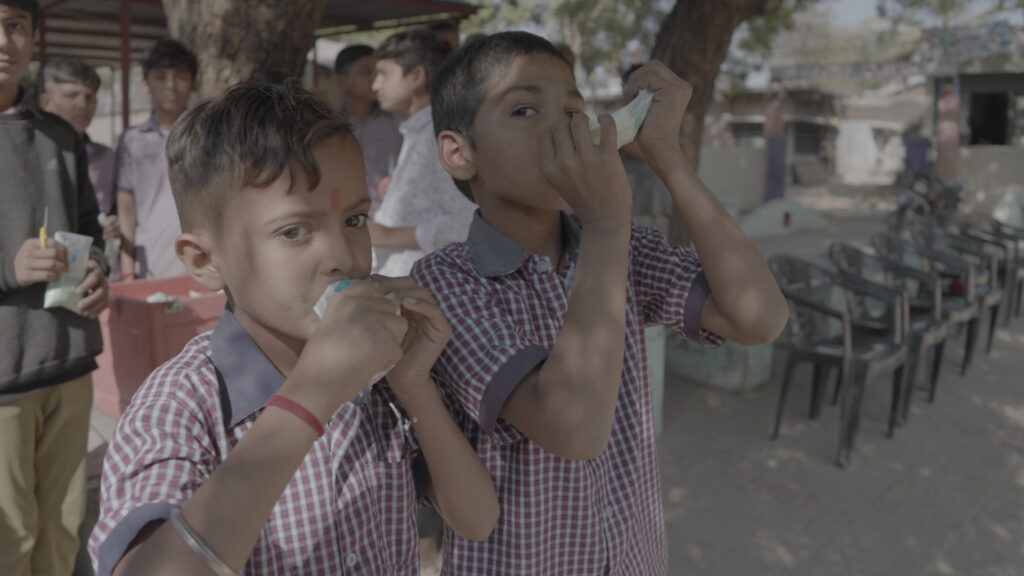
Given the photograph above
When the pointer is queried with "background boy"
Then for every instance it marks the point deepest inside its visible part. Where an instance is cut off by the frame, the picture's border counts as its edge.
(375, 129)
(149, 223)
(422, 210)
(46, 355)
(67, 87)
(274, 209)
(547, 310)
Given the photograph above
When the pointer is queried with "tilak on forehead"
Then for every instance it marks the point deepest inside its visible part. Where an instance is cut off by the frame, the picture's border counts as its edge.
(335, 199)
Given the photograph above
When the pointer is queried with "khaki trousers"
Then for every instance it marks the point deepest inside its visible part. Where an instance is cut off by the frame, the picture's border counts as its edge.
(43, 479)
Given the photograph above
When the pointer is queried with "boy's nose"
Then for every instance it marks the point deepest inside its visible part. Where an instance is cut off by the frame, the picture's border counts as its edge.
(341, 259)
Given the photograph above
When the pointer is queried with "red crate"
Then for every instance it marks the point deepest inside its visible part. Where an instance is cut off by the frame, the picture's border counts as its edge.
(138, 336)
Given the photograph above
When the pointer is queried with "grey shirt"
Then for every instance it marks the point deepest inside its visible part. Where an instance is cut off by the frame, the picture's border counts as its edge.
(142, 172)
(421, 195)
(381, 142)
(44, 168)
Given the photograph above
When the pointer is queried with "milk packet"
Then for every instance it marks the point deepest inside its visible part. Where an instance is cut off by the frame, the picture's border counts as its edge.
(333, 288)
(61, 292)
(628, 119)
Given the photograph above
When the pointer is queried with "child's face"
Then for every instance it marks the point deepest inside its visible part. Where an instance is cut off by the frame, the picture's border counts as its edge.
(280, 247)
(75, 103)
(170, 89)
(535, 91)
(357, 81)
(395, 89)
(16, 43)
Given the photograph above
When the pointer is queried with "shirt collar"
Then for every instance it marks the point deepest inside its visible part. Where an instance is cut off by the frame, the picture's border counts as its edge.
(495, 255)
(417, 121)
(242, 368)
(151, 125)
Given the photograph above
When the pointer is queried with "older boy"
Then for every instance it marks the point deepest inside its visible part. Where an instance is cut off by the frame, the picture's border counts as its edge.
(547, 309)
(222, 461)
(149, 223)
(46, 355)
(422, 210)
(375, 129)
(67, 87)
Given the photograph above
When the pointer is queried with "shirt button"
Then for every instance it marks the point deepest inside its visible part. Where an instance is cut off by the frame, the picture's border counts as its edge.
(351, 560)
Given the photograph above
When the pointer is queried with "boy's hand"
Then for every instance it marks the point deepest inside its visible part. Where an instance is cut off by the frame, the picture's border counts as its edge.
(660, 131)
(34, 264)
(93, 290)
(590, 178)
(428, 333)
(359, 337)
(111, 227)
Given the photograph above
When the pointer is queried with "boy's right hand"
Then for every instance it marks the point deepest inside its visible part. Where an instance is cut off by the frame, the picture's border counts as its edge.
(590, 178)
(359, 337)
(34, 264)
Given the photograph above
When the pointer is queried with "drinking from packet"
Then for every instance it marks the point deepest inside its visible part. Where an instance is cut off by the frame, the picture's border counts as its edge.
(333, 288)
(628, 119)
(60, 293)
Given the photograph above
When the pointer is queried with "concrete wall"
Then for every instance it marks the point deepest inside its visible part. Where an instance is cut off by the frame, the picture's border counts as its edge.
(734, 173)
(989, 173)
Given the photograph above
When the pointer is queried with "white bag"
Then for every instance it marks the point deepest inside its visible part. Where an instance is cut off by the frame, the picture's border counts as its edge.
(61, 292)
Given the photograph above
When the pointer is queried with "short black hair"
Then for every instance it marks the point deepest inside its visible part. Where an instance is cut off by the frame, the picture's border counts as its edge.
(349, 56)
(443, 26)
(417, 47)
(67, 70)
(169, 53)
(247, 137)
(463, 81)
(30, 6)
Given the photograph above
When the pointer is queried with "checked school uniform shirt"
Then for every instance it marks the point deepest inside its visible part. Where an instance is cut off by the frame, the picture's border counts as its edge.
(349, 509)
(506, 307)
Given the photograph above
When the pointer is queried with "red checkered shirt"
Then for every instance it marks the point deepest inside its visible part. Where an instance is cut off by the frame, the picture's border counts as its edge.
(349, 509)
(506, 306)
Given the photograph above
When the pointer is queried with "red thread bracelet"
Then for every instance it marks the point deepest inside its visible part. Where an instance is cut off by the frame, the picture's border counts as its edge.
(298, 410)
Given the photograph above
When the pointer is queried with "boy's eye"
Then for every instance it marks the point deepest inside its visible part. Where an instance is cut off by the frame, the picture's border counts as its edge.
(524, 111)
(293, 233)
(356, 221)
(572, 113)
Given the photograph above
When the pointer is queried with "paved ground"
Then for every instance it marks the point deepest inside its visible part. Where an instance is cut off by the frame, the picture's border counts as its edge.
(944, 497)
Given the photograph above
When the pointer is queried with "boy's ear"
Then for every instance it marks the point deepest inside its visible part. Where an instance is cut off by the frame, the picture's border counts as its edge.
(145, 86)
(457, 157)
(45, 101)
(195, 250)
(418, 76)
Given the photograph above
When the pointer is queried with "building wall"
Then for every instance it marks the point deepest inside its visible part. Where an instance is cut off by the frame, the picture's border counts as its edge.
(734, 175)
(988, 174)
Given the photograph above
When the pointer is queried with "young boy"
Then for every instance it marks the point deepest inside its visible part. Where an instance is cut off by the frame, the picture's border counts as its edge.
(422, 210)
(547, 352)
(227, 441)
(375, 129)
(149, 223)
(46, 355)
(67, 87)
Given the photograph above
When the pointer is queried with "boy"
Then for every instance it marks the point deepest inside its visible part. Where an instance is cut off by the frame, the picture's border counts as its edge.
(221, 461)
(67, 87)
(547, 354)
(422, 210)
(375, 129)
(149, 223)
(46, 355)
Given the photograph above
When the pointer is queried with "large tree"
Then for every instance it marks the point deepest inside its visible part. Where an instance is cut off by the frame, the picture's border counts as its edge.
(236, 38)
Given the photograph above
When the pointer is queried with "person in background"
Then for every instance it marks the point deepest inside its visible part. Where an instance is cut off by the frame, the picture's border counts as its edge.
(67, 87)
(448, 30)
(46, 354)
(149, 222)
(375, 129)
(423, 210)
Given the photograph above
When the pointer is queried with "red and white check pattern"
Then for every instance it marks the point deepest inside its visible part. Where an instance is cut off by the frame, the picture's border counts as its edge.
(349, 509)
(560, 517)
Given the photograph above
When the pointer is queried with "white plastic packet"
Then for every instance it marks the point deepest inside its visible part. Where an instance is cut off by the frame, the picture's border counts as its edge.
(333, 288)
(61, 292)
(628, 119)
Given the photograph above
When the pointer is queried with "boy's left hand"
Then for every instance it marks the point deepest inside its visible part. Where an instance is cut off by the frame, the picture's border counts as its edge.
(428, 333)
(93, 290)
(660, 131)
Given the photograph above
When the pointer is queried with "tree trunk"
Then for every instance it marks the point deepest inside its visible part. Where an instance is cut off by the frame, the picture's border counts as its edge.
(234, 39)
(693, 41)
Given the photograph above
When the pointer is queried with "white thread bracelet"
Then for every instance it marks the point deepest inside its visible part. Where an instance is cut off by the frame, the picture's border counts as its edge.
(193, 541)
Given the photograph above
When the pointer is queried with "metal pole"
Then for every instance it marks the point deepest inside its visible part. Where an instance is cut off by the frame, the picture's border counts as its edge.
(126, 62)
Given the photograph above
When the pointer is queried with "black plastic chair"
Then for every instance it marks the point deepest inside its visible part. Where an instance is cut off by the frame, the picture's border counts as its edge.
(859, 357)
(1016, 286)
(989, 255)
(926, 328)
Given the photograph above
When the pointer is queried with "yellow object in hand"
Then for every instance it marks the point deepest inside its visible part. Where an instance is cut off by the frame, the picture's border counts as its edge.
(42, 229)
